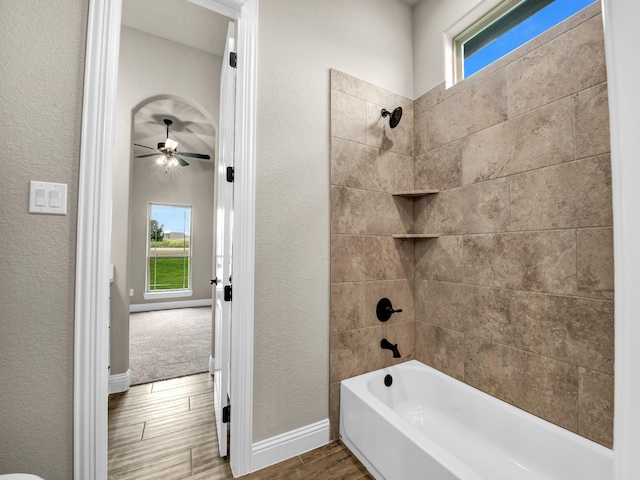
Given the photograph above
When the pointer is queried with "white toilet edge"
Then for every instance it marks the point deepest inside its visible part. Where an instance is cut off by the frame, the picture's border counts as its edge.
(19, 476)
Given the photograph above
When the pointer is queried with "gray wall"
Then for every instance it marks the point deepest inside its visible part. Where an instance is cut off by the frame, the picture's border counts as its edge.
(41, 80)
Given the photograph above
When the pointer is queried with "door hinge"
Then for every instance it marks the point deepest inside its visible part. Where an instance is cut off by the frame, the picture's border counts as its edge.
(233, 59)
(231, 174)
(227, 293)
(226, 414)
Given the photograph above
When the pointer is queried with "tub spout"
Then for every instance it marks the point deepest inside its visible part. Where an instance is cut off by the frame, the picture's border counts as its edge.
(386, 344)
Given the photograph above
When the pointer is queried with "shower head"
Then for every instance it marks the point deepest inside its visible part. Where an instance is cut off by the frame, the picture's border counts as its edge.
(396, 115)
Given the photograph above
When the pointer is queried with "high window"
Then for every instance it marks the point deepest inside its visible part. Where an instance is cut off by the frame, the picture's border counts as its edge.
(505, 28)
(169, 252)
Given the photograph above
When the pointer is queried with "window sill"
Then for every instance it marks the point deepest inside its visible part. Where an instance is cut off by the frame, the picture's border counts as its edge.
(167, 294)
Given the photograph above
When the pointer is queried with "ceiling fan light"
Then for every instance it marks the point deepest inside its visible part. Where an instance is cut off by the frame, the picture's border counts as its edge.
(170, 144)
(173, 162)
(161, 160)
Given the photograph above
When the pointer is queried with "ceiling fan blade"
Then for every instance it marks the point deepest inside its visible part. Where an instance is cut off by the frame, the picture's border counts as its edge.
(144, 146)
(148, 155)
(181, 161)
(196, 155)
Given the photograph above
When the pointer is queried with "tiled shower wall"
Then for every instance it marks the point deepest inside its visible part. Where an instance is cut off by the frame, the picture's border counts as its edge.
(368, 162)
(516, 295)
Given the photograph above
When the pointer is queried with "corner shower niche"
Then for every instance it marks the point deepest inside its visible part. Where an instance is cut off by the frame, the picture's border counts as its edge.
(414, 194)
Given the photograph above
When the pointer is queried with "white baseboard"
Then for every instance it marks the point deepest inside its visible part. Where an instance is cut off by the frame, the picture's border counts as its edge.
(286, 445)
(120, 382)
(212, 365)
(148, 307)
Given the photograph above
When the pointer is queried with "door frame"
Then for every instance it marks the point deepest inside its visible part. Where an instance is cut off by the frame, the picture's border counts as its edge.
(93, 248)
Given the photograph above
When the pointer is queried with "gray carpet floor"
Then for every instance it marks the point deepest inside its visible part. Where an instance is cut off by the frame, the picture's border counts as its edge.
(169, 343)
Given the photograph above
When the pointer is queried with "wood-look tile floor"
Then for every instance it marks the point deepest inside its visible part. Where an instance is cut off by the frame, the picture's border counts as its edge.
(166, 431)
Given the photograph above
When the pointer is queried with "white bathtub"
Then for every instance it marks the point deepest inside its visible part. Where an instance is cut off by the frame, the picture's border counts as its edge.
(429, 426)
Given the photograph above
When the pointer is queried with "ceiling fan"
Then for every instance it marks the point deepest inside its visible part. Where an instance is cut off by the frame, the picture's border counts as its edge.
(168, 151)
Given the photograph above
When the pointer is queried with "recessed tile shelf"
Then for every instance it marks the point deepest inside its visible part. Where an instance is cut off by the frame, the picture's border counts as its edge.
(415, 193)
(415, 235)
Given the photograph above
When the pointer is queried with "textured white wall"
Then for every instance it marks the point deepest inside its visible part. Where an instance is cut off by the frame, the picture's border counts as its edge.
(42, 58)
(300, 40)
(143, 74)
(431, 19)
(621, 32)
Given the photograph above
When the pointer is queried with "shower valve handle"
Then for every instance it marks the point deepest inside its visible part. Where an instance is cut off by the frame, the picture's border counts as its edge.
(384, 310)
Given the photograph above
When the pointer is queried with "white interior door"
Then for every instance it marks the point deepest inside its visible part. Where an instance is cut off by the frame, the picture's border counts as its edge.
(224, 236)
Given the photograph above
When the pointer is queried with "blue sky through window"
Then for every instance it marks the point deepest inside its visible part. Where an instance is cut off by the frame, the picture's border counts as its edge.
(172, 218)
(533, 26)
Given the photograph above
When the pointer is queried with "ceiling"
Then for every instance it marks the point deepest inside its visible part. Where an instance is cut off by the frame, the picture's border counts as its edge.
(178, 20)
(411, 3)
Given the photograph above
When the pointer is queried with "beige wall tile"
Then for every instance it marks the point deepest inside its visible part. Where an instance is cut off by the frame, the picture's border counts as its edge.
(397, 168)
(382, 136)
(592, 121)
(348, 117)
(430, 99)
(421, 298)
(539, 138)
(478, 208)
(351, 164)
(480, 311)
(371, 93)
(535, 261)
(477, 107)
(420, 134)
(348, 306)
(595, 262)
(353, 305)
(441, 349)
(583, 15)
(402, 333)
(360, 166)
(360, 258)
(386, 214)
(334, 410)
(355, 352)
(576, 194)
(399, 292)
(348, 210)
(570, 63)
(595, 403)
(574, 330)
(440, 168)
(358, 351)
(348, 260)
(439, 259)
(545, 387)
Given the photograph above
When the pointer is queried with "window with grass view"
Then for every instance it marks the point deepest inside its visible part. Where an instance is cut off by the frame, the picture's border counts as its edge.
(505, 28)
(169, 253)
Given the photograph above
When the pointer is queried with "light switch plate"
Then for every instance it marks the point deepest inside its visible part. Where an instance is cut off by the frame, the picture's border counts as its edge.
(48, 198)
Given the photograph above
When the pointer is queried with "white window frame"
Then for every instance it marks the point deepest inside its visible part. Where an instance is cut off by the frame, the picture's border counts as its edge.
(175, 293)
(475, 28)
